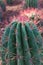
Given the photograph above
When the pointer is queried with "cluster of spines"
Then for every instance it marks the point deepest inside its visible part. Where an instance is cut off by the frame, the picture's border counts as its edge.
(20, 41)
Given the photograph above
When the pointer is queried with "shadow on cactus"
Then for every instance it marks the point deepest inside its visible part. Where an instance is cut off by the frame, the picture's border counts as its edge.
(22, 43)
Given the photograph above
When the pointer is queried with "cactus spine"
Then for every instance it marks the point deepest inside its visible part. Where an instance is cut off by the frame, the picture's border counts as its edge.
(21, 46)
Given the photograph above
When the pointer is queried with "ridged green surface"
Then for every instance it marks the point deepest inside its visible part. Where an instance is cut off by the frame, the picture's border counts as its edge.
(37, 34)
(33, 44)
(11, 43)
(20, 42)
(31, 3)
(5, 44)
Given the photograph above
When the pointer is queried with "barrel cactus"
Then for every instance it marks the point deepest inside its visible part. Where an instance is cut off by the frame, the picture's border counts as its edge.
(21, 44)
(31, 3)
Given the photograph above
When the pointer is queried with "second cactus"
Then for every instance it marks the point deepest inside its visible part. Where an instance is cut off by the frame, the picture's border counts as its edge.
(31, 3)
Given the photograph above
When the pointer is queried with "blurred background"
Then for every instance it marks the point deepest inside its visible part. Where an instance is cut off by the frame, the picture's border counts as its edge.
(17, 9)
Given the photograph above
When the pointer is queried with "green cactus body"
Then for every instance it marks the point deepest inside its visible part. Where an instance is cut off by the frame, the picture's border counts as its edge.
(5, 44)
(37, 34)
(27, 3)
(31, 3)
(11, 45)
(21, 46)
(33, 45)
(27, 55)
(5, 36)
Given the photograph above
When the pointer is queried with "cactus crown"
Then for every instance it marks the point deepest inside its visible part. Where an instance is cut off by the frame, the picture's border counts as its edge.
(21, 44)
